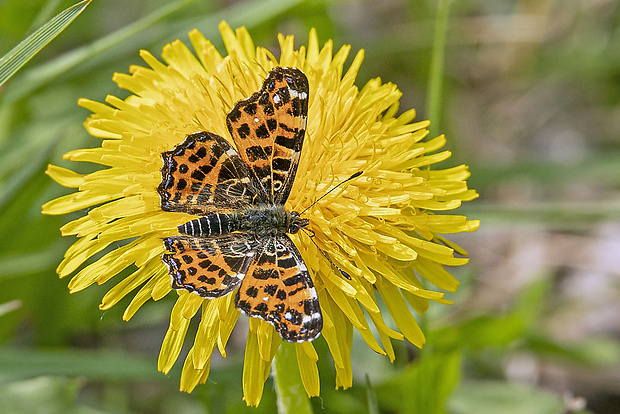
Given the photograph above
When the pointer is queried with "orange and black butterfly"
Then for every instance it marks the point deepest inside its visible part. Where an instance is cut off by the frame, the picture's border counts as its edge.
(240, 240)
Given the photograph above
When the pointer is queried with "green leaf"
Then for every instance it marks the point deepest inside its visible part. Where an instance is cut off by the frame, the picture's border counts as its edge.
(594, 352)
(30, 46)
(424, 387)
(482, 331)
(531, 302)
(491, 397)
(479, 332)
(292, 397)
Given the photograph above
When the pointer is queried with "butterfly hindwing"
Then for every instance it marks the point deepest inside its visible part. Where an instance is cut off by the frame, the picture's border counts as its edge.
(268, 129)
(204, 174)
(209, 267)
(278, 289)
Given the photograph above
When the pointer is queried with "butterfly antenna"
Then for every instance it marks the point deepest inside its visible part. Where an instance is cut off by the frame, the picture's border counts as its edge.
(310, 234)
(357, 174)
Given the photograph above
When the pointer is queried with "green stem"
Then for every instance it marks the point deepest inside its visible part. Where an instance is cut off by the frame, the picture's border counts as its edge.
(433, 97)
(292, 397)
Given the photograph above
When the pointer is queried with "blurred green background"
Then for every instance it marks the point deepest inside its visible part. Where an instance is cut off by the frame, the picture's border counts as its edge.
(530, 101)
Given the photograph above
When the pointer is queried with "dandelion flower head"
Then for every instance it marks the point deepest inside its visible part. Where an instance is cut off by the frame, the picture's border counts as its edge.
(385, 228)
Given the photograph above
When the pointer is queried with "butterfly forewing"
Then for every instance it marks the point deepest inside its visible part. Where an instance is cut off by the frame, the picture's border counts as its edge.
(278, 289)
(204, 174)
(268, 129)
(209, 267)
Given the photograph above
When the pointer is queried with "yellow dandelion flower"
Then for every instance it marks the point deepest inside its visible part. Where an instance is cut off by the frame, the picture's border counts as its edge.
(382, 228)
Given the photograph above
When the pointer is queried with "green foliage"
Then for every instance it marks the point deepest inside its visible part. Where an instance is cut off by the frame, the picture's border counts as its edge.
(424, 386)
(97, 365)
(30, 46)
(59, 353)
(9, 306)
(500, 397)
(42, 395)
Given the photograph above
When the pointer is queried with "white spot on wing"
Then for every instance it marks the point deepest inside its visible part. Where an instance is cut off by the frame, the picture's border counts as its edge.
(276, 98)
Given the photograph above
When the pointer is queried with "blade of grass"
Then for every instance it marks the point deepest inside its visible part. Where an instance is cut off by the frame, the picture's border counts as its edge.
(598, 168)
(17, 177)
(552, 215)
(28, 263)
(95, 365)
(30, 46)
(45, 73)
(433, 98)
(255, 12)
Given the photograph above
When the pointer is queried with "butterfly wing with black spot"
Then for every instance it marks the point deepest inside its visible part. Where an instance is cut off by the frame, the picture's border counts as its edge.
(268, 129)
(278, 289)
(210, 267)
(205, 174)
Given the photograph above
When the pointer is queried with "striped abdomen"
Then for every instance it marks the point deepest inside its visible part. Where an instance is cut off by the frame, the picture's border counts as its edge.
(210, 225)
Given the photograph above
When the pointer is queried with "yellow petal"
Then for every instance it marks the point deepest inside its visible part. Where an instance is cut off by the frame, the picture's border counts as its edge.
(255, 368)
(172, 345)
(306, 360)
(190, 376)
(404, 320)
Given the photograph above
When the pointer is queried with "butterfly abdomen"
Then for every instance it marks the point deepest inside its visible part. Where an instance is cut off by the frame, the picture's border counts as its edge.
(262, 220)
(211, 225)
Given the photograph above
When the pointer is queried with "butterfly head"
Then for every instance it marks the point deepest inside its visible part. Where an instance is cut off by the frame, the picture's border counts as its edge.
(296, 222)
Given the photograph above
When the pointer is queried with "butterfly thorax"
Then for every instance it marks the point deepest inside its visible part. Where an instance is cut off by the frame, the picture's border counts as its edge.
(259, 220)
(265, 220)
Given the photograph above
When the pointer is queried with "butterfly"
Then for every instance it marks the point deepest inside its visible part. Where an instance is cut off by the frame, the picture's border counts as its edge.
(240, 240)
